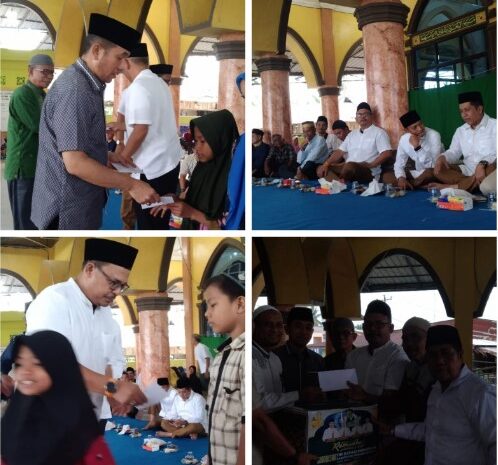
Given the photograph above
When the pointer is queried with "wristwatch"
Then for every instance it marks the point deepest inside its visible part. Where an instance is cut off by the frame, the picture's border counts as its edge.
(110, 388)
(484, 163)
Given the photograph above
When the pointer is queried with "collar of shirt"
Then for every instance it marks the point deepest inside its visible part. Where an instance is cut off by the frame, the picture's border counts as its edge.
(482, 124)
(36, 89)
(145, 73)
(237, 343)
(79, 294)
(464, 373)
(363, 131)
(264, 352)
(96, 83)
(378, 349)
(291, 350)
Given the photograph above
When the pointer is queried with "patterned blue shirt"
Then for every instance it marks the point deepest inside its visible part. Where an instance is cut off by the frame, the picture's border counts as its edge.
(72, 119)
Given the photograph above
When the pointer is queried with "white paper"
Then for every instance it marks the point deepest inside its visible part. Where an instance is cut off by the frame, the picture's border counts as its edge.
(375, 187)
(154, 394)
(450, 191)
(335, 380)
(334, 185)
(126, 169)
(165, 200)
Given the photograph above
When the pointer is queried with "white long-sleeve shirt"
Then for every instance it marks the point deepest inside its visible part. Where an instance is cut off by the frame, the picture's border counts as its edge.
(366, 145)
(316, 151)
(192, 410)
(478, 144)
(266, 375)
(460, 426)
(431, 148)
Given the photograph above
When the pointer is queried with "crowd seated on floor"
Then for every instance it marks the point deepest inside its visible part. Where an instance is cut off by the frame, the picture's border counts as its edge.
(365, 153)
(431, 408)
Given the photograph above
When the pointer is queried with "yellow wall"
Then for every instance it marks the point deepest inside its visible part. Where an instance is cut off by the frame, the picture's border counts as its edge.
(12, 323)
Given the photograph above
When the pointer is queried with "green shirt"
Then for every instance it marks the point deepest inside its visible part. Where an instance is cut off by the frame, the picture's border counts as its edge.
(22, 133)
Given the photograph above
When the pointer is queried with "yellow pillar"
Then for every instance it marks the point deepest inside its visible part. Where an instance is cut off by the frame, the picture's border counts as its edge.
(174, 58)
(188, 303)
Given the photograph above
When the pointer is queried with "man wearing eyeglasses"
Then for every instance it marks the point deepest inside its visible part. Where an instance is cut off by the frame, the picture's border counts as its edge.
(380, 365)
(22, 132)
(79, 309)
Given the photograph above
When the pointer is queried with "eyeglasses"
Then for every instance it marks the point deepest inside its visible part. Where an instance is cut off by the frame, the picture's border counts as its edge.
(114, 284)
(46, 72)
(366, 113)
(375, 324)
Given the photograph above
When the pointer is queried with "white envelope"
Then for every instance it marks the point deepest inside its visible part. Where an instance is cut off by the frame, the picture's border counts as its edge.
(375, 187)
(126, 169)
(165, 200)
(335, 380)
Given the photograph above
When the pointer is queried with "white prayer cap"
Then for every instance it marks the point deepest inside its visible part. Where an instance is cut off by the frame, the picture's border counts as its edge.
(418, 323)
(263, 309)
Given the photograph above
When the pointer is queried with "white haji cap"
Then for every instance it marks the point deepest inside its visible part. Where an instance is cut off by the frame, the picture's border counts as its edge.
(418, 323)
(263, 309)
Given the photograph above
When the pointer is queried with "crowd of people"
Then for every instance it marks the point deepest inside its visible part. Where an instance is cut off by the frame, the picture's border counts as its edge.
(62, 155)
(365, 153)
(69, 378)
(431, 408)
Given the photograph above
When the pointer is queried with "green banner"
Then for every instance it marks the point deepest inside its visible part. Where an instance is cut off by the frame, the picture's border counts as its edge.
(438, 108)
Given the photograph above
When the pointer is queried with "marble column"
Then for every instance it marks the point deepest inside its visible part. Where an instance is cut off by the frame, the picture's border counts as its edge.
(174, 48)
(230, 52)
(188, 303)
(382, 25)
(330, 103)
(174, 87)
(138, 355)
(120, 84)
(274, 71)
(154, 337)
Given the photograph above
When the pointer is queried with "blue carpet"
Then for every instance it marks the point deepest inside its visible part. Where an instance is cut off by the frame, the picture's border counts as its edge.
(275, 208)
(128, 451)
(112, 216)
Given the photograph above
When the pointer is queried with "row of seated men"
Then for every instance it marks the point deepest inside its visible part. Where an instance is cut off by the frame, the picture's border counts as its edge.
(365, 153)
(424, 391)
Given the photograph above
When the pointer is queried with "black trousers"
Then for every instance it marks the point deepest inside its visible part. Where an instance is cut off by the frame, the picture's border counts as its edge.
(165, 184)
(20, 194)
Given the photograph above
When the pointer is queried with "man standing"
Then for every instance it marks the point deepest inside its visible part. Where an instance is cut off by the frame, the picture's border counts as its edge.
(24, 120)
(281, 161)
(268, 330)
(342, 334)
(260, 151)
(475, 141)
(203, 359)
(312, 154)
(71, 172)
(78, 309)
(299, 364)
(460, 426)
(151, 141)
(421, 144)
(360, 156)
(380, 365)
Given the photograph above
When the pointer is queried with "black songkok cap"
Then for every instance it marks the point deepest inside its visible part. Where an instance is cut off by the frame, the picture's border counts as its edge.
(323, 118)
(108, 251)
(139, 51)
(379, 306)
(364, 106)
(114, 31)
(443, 334)
(163, 381)
(339, 124)
(183, 383)
(409, 118)
(259, 132)
(301, 314)
(470, 97)
(161, 69)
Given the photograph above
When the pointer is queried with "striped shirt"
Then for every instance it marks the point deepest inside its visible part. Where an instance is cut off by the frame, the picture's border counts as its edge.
(226, 401)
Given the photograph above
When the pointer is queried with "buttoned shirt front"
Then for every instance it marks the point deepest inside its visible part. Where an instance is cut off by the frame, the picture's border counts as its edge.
(226, 400)
(72, 119)
(266, 374)
(425, 157)
(460, 426)
(148, 101)
(316, 151)
(65, 309)
(167, 402)
(333, 142)
(364, 146)
(192, 410)
(382, 369)
(475, 145)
